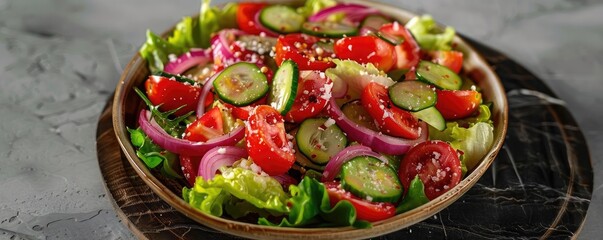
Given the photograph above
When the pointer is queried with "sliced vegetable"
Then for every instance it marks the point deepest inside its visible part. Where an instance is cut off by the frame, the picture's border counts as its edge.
(458, 104)
(407, 53)
(313, 6)
(351, 12)
(365, 210)
(355, 77)
(241, 84)
(438, 75)
(329, 29)
(412, 95)
(334, 166)
(376, 141)
(246, 13)
(281, 19)
(357, 113)
(194, 57)
(267, 143)
(431, 116)
(208, 126)
(371, 179)
(284, 87)
(366, 49)
(320, 139)
(449, 59)
(437, 165)
(301, 49)
(313, 94)
(219, 157)
(374, 21)
(170, 94)
(390, 119)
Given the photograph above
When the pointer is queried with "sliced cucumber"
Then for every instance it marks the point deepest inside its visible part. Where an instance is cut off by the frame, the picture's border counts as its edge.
(374, 21)
(241, 84)
(431, 116)
(358, 114)
(413, 95)
(281, 19)
(397, 74)
(284, 87)
(391, 39)
(371, 179)
(329, 29)
(438, 75)
(319, 139)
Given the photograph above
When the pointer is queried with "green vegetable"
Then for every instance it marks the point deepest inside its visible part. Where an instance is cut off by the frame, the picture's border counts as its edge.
(171, 126)
(425, 31)
(310, 205)
(153, 155)
(188, 33)
(264, 194)
(356, 75)
(415, 196)
(474, 136)
(313, 6)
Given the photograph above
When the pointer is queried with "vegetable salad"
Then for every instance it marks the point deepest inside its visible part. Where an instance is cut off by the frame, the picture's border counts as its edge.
(326, 114)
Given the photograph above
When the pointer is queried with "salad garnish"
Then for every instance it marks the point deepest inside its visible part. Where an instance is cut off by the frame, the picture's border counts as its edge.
(328, 114)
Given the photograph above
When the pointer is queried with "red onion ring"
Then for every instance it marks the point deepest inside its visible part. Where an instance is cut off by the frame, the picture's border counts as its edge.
(376, 141)
(220, 45)
(353, 12)
(218, 157)
(334, 165)
(285, 180)
(204, 92)
(195, 56)
(181, 146)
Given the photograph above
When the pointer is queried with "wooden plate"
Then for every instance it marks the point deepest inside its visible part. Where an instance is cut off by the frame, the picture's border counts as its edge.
(128, 105)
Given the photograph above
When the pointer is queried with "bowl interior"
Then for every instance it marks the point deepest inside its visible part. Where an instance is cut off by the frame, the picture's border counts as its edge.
(127, 106)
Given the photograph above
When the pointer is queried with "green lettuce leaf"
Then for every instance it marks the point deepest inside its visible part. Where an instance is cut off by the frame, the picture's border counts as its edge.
(313, 6)
(310, 205)
(262, 192)
(156, 51)
(153, 155)
(414, 197)
(356, 75)
(186, 34)
(426, 33)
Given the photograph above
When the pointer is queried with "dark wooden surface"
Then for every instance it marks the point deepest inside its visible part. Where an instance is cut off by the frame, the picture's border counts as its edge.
(538, 187)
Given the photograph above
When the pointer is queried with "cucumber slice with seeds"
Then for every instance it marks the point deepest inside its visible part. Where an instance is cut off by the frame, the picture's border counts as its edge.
(319, 139)
(374, 21)
(412, 95)
(281, 19)
(371, 179)
(284, 87)
(241, 84)
(329, 29)
(438, 75)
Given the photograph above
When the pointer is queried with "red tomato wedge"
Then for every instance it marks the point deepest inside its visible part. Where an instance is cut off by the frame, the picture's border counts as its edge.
(457, 104)
(206, 127)
(366, 49)
(390, 119)
(246, 16)
(190, 166)
(449, 59)
(171, 94)
(267, 143)
(365, 210)
(313, 94)
(302, 50)
(408, 52)
(437, 165)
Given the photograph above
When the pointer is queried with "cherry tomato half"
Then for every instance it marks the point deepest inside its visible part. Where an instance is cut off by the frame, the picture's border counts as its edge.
(449, 59)
(190, 166)
(389, 118)
(313, 94)
(366, 49)
(267, 143)
(246, 16)
(172, 94)
(206, 127)
(407, 53)
(302, 50)
(365, 210)
(457, 104)
(437, 165)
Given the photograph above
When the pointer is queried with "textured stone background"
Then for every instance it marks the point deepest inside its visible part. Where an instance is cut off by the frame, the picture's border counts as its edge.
(61, 59)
